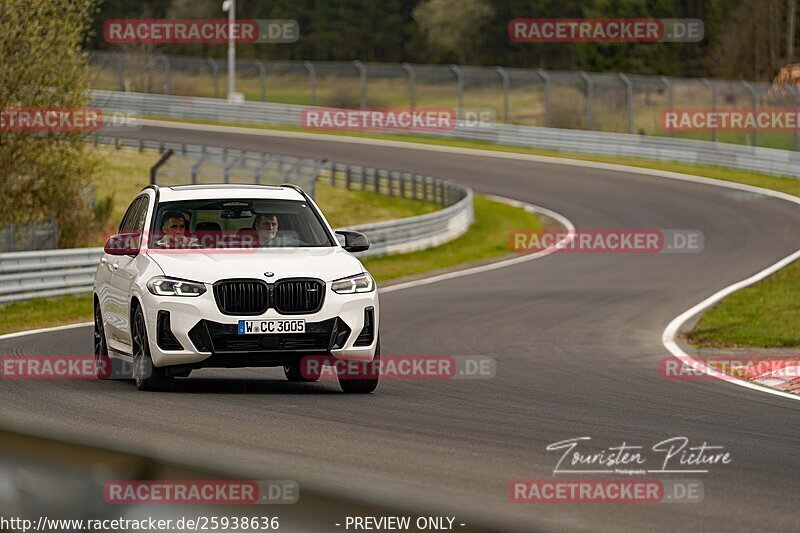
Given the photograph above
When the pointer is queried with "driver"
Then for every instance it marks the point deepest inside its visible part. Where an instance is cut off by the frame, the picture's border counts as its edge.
(173, 226)
(266, 224)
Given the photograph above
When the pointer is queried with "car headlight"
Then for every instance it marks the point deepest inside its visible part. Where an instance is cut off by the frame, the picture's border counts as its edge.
(161, 286)
(352, 284)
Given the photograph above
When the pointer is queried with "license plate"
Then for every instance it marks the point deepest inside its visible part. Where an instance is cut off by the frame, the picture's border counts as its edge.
(261, 327)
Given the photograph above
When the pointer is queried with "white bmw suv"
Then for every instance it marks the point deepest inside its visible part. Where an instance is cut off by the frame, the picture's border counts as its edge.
(226, 276)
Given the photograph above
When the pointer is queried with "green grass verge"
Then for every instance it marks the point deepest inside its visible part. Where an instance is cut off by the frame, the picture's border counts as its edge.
(487, 238)
(766, 314)
(45, 312)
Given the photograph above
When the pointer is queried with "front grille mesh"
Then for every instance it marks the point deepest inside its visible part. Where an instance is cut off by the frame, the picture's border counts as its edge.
(298, 296)
(242, 297)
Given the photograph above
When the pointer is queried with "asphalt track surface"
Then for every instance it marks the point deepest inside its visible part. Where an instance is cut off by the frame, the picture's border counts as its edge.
(577, 339)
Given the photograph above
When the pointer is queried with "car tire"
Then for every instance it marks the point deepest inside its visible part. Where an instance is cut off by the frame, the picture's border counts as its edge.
(146, 376)
(357, 385)
(293, 373)
(102, 362)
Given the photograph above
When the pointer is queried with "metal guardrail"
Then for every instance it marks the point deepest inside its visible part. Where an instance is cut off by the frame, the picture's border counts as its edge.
(26, 275)
(752, 158)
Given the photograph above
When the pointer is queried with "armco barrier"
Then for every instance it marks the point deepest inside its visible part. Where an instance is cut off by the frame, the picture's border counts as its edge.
(26, 275)
(757, 159)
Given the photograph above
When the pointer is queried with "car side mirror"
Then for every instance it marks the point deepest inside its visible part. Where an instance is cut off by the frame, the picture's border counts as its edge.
(353, 241)
(123, 244)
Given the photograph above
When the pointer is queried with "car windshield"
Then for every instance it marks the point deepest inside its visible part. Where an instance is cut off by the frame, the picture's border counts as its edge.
(238, 223)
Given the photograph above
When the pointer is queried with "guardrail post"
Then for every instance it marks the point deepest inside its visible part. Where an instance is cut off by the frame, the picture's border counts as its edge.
(362, 71)
(506, 87)
(754, 104)
(548, 92)
(412, 84)
(589, 99)
(312, 80)
(628, 99)
(262, 79)
(713, 87)
(670, 98)
(215, 73)
(347, 178)
(460, 79)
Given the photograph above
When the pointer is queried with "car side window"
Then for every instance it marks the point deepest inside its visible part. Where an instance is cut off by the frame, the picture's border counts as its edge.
(141, 214)
(135, 216)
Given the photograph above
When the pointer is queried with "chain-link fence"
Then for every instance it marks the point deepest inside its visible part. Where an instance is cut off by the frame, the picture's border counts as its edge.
(30, 236)
(611, 102)
(197, 164)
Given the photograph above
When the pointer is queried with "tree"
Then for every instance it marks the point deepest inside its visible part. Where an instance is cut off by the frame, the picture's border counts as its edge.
(453, 28)
(43, 67)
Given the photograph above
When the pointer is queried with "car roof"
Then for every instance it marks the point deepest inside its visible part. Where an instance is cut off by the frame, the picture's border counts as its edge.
(227, 192)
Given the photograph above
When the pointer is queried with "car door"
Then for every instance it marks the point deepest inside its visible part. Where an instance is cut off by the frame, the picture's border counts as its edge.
(121, 268)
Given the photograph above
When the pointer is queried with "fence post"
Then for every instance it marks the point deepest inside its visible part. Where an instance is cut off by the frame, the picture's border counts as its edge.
(167, 73)
(713, 86)
(670, 98)
(347, 178)
(262, 79)
(506, 86)
(548, 89)
(460, 79)
(628, 99)
(215, 73)
(412, 84)
(796, 101)
(362, 71)
(589, 100)
(753, 103)
(312, 80)
(55, 233)
(120, 71)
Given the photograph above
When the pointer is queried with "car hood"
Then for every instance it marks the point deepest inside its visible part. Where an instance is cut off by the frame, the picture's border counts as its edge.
(327, 263)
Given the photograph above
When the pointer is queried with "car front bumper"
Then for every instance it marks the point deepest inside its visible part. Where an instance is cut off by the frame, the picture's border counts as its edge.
(192, 319)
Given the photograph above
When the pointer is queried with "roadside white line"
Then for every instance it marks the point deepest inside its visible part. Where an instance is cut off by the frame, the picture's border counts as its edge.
(44, 330)
(668, 337)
